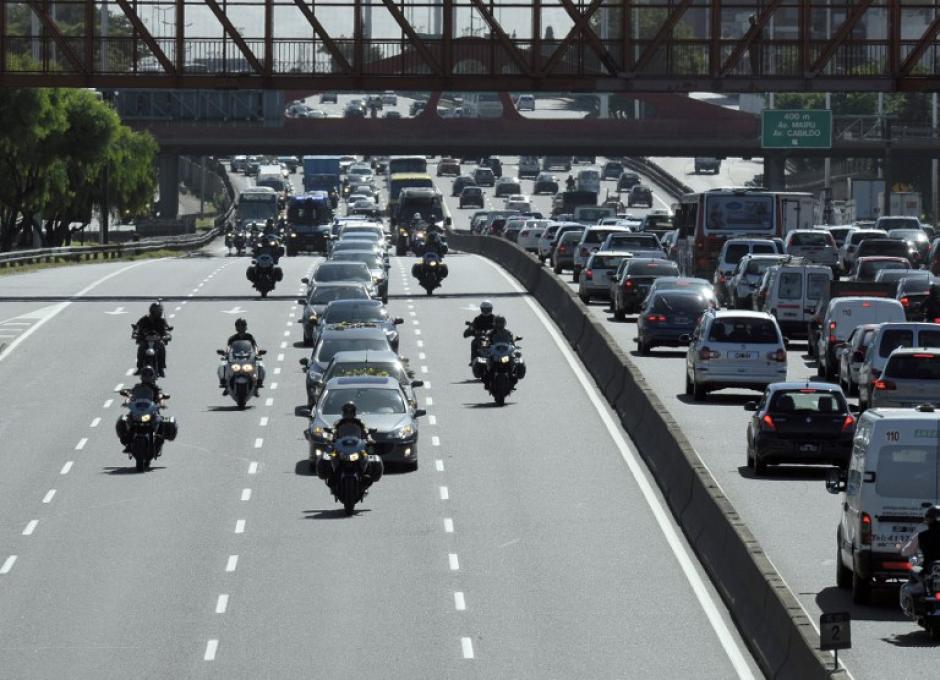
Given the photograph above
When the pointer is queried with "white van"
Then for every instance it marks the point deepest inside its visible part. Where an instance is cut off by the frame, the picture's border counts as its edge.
(271, 176)
(887, 338)
(893, 474)
(842, 316)
(796, 290)
(589, 180)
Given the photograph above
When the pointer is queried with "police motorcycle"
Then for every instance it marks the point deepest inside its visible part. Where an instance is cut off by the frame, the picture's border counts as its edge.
(144, 429)
(241, 371)
(346, 465)
(479, 350)
(263, 271)
(239, 242)
(503, 368)
(430, 271)
(151, 348)
(921, 603)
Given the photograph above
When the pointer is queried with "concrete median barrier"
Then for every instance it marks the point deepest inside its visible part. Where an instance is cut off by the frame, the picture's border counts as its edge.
(769, 617)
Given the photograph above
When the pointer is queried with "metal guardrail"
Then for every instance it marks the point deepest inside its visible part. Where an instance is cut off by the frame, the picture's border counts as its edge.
(648, 168)
(111, 251)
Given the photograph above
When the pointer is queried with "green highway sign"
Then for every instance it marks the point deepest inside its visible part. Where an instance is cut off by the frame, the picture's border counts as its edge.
(796, 129)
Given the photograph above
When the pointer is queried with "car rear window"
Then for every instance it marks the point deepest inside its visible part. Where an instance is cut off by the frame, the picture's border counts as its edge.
(907, 472)
(760, 266)
(764, 249)
(652, 268)
(808, 400)
(891, 339)
(892, 247)
(597, 235)
(924, 366)
(330, 347)
(606, 261)
(817, 285)
(809, 239)
(645, 241)
(680, 303)
(791, 286)
(868, 270)
(735, 252)
(743, 330)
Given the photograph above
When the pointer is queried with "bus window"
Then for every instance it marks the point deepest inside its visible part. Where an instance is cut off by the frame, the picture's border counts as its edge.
(752, 213)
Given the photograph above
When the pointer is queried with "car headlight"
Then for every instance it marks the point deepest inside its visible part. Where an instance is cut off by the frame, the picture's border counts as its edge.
(236, 368)
(145, 418)
(504, 360)
(353, 457)
(405, 432)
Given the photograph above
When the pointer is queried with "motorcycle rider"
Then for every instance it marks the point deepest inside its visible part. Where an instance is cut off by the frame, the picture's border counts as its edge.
(151, 323)
(500, 333)
(481, 324)
(350, 425)
(926, 542)
(241, 333)
(435, 244)
(147, 388)
(569, 183)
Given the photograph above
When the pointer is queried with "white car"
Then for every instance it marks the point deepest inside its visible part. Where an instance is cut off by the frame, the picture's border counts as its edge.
(850, 247)
(734, 348)
(531, 234)
(519, 202)
(887, 338)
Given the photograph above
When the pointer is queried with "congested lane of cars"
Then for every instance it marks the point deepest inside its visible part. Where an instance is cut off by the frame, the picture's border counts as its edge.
(787, 508)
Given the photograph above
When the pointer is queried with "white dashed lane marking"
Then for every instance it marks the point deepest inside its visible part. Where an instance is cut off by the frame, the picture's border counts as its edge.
(246, 494)
(448, 525)
(212, 646)
(81, 443)
(452, 560)
(108, 403)
(31, 527)
(222, 604)
(95, 422)
(232, 563)
(50, 494)
(253, 468)
(240, 526)
(466, 644)
(65, 468)
(460, 604)
(445, 494)
(8, 564)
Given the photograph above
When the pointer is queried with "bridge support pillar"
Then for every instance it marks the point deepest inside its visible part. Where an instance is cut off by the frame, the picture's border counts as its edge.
(168, 166)
(775, 165)
(603, 101)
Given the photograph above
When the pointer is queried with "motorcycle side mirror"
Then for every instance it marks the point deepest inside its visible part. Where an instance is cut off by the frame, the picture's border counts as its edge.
(417, 383)
(262, 352)
(124, 393)
(836, 480)
(220, 352)
(448, 221)
(305, 280)
(301, 301)
(399, 321)
(518, 338)
(307, 435)
(750, 406)
(166, 396)
(304, 362)
(420, 412)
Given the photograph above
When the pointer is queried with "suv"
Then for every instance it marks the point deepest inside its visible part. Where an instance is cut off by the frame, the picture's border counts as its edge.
(707, 164)
(640, 195)
(460, 181)
(595, 280)
(885, 247)
(911, 377)
(591, 240)
(627, 181)
(471, 196)
(612, 170)
(747, 277)
(557, 163)
(841, 318)
(529, 166)
(565, 243)
(852, 241)
(734, 348)
(484, 177)
(731, 253)
(506, 186)
(545, 183)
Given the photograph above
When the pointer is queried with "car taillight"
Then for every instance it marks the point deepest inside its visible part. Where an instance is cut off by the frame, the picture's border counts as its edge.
(588, 274)
(767, 423)
(905, 301)
(705, 354)
(562, 249)
(886, 385)
(628, 284)
(656, 317)
(832, 335)
(865, 528)
(779, 355)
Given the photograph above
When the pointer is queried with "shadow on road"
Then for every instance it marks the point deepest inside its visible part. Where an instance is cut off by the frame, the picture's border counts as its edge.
(304, 468)
(228, 409)
(718, 399)
(671, 354)
(130, 470)
(787, 473)
(884, 607)
(334, 513)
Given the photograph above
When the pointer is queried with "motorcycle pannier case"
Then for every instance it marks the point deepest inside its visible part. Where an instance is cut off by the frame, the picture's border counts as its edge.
(324, 467)
(250, 273)
(278, 274)
(376, 468)
(168, 429)
(414, 269)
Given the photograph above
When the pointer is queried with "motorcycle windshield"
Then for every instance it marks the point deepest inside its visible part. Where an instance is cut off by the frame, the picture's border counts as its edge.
(241, 350)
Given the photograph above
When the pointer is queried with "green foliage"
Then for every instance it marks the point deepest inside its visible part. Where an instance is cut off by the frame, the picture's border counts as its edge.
(55, 147)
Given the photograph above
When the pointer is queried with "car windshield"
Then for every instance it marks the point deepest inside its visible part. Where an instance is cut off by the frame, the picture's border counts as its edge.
(806, 238)
(759, 266)
(340, 271)
(680, 303)
(367, 400)
(743, 330)
(361, 233)
(241, 349)
(917, 366)
(914, 284)
(331, 346)
(369, 369)
(325, 294)
(907, 472)
(355, 313)
(808, 400)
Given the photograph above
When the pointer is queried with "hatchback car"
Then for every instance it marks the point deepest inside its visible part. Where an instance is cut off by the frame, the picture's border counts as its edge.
(640, 195)
(668, 318)
(635, 280)
(531, 234)
(382, 406)
(734, 348)
(529, 166)
(591, 241)
(471, 197)
(886, 338)
(912, 293)
(317, 299)
(483, 177)
(684, 283)
(506, 186)
(799, 423)
(460, 182)
(545, 183)
(595, 279)
(911, 377)
(563, 252)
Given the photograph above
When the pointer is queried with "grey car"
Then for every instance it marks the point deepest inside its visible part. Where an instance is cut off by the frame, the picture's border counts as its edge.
(354, 312)
(339, 270)
(341, 338)
(911, 377)
(374, 365)
(563, 253)
(384, 409)
(376, 264)
(321, 295)
(595, 279)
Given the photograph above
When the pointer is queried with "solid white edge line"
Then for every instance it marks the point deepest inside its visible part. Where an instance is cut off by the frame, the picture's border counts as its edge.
(212, 646)
(466, 646)
(8, 564)
(637, 470)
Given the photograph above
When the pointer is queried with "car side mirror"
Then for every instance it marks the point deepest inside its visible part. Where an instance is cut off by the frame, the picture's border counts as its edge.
(750, 406)
(448, 221)
(417, 383)
(304, 362)
(220, 352)
(305, 280)
(166, 396)
(420, 412)
(836, 480)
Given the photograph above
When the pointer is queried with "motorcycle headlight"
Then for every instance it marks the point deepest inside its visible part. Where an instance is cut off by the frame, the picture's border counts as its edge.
(353, 457)
(293, 234)
(504, 360)
(432, 263)
(248, 368)
(403, 232)
(145, 418)
(405, 432)
(236, 368)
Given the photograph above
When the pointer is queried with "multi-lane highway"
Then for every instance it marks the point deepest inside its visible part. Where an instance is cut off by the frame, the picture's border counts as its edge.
(505, 555)
(789, 511)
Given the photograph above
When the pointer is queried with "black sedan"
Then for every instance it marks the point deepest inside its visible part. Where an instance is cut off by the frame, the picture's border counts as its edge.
(460, 182)
(668, 318)
(545, 183)
(804, 423)
(353, 312)
(321, 295)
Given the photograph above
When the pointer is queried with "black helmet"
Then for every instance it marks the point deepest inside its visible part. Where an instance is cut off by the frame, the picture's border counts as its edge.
(499, 322)
(148, 375)
(269, 224)
(932, 514)
(349, 410)
(156, 310)
(241, 325)
(486, 308)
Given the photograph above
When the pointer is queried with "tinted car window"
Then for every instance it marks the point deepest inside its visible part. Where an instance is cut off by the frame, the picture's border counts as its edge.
(367, 401)
(606, 261)
(652, 268)
(340, 272)
(893, 338)
(764, 249)
(735, 252)
(330, 347)
(326, 294)
(760, 266)
(914, 367)
(808, 400)
(679, 303)
(809, 239)
(644, 241)
(596, 235)
(355, 313)
(743, 330)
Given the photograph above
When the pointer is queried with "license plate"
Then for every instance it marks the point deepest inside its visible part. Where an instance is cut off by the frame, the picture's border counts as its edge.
(682, 319)
(809, 448)
(743, 355)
